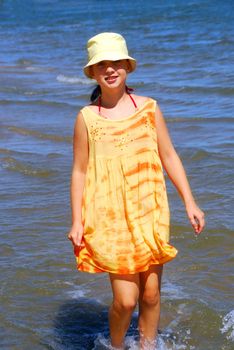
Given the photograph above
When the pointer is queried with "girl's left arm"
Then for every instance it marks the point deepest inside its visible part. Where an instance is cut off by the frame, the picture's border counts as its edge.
(175, 170)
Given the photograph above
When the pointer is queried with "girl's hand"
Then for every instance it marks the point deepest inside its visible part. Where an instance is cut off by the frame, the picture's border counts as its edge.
(76, 234)
(196, 217)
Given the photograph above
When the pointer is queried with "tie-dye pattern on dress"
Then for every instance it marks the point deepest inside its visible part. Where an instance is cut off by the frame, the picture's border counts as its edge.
(125, 209)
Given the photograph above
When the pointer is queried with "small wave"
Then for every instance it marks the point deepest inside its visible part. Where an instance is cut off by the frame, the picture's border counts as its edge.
(53, 155)
(5, 151)
(12, 164)
(77, 294)
(173, 291)
(190, 119)
(24, 62)
(200, 155)
(228, 326)
(146, 65)
(37, 69)
(102, 343)
(40, 135)
(224, 41)
(6, 250)
(224, 91)
(74, 80)
(32, 102)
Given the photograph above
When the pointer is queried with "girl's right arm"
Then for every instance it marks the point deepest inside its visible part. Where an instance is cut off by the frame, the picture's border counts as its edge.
(80, 161)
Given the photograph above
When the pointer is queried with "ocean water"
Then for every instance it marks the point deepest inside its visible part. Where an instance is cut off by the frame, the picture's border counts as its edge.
(185, 55)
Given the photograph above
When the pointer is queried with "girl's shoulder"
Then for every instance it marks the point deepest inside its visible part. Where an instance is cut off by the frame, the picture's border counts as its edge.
(141, 100)
(93, 106)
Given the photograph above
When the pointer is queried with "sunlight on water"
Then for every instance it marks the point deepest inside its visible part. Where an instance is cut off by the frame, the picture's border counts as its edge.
(228, 325)
(74, 80)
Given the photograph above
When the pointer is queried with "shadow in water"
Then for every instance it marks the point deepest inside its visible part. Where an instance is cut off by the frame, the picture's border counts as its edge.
(78, 323)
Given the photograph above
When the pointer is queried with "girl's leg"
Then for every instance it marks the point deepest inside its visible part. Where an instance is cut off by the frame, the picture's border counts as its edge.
(125, 290)
(149, 303)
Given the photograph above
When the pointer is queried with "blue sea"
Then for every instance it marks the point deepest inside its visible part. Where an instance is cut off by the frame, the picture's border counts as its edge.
(185, 56)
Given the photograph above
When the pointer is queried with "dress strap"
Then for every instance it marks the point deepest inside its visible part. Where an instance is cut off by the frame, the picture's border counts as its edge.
(99, 104)
(133, 101)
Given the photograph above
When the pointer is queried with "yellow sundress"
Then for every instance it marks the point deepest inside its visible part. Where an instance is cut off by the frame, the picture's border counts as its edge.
(125, 210)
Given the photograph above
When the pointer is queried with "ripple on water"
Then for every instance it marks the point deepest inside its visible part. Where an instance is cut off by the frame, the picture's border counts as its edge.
(39, 134)
(12, 164)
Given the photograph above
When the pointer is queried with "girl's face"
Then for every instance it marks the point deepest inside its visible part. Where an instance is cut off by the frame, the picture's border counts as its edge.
(110, 73)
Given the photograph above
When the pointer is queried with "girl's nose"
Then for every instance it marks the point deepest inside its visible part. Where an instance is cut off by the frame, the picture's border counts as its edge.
(110, 67)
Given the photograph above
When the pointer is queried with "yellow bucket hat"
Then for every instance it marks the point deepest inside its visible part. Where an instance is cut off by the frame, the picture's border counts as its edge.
(107, 47)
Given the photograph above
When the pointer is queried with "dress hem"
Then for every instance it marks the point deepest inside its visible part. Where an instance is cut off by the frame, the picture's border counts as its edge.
(84, 267)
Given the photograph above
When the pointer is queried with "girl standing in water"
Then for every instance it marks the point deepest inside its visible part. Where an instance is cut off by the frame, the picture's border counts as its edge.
(120, 213)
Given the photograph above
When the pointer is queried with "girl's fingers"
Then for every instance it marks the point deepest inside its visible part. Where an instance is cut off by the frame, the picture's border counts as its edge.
(76, 238)
(79, 241)
(202, 222)
(197, 220)
(198, 223)
(195, 224)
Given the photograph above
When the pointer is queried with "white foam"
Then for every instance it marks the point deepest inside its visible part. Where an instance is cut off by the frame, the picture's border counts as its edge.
(173, 291)
(103, 343)
(228, 325)
(35, 69)
(84, 290)
(68, 283)
(77, 293)
(73, 80)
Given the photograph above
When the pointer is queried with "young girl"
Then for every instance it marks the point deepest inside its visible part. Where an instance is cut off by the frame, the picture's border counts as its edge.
(120, 214)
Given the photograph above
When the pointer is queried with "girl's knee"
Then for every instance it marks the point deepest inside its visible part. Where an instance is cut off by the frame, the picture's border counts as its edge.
(151, 297)
(125, 305)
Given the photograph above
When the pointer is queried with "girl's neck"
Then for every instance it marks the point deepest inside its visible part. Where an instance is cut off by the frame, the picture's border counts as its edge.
(109, 99)
(114, 102)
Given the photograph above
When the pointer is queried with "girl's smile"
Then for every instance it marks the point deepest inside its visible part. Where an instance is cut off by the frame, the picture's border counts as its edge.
(111, 79)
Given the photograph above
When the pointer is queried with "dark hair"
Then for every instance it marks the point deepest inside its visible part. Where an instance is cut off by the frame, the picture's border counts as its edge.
(97, 92)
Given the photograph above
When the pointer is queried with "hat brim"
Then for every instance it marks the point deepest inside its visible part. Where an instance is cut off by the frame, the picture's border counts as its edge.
(109, 56)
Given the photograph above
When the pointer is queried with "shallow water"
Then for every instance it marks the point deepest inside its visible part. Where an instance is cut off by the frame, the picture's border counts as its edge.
(185, 60)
